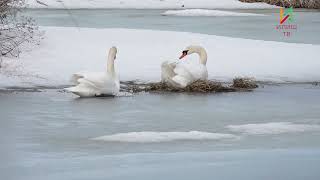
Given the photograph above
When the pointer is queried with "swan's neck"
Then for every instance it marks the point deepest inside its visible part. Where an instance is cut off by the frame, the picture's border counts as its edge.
(202, 55)
(110, 66)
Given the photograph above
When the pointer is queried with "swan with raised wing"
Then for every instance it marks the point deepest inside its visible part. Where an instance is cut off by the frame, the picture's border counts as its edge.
(179, 74)
(92, 84)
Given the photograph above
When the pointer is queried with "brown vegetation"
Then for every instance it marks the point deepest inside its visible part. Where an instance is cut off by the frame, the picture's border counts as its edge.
(310, 4)
(246, 83)
(14, 30)
(200, 86)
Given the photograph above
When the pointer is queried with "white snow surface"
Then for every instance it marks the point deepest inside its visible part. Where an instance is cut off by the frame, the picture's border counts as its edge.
(273, 128)
(153, 137)
(206, 12)
(146, 4)
(66, 50)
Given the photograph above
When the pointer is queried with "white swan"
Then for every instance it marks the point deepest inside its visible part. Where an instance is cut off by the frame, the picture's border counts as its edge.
(180, 75)
(91, 84)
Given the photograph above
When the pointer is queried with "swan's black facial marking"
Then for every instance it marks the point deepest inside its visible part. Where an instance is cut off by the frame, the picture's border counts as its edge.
(184, 53)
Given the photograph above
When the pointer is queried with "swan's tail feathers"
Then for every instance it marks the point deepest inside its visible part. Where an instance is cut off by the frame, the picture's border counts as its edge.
(75, 78)
(85, 88)
(87, 83)
(70, 89)
(75, 90)
(167, 71)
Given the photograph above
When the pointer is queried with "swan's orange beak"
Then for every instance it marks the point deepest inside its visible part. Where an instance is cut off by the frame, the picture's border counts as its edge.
(184, 53)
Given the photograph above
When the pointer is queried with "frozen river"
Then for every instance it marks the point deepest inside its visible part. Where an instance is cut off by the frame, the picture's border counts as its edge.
(251, 27)
(48, 135)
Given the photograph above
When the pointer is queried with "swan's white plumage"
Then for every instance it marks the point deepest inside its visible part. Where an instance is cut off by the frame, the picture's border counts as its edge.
(180, 74)
(90, 84)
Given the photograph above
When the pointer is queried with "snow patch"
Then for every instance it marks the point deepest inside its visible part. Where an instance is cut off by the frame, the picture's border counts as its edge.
(153, 137)
(273, 128)
(67, 50)
(206, 12)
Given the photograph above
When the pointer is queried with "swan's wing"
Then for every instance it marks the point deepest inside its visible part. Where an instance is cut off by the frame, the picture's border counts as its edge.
(167, 70)
(176, 74)
(94, 77)
(111, 86)
(183, 76)
(84, 88)
(186, 73)
(75, 77)
(198, 71)
(181, 81)
(168, 74)
(94, 84)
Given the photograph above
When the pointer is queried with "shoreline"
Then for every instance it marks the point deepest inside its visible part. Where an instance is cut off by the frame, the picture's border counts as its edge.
(166, 9)
(145, 4)
(59, 88)
(240, 4)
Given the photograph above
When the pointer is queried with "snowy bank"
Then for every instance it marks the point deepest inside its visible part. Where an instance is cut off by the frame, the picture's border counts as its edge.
(206, 12)
(146, 4)
(153, 137)
(273, 128)
(140, 53)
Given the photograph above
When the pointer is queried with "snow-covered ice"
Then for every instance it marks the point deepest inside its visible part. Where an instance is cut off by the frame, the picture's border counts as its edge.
(140, 53)
(146, 4)
(206, 12)
(273, 128)
(152, 137)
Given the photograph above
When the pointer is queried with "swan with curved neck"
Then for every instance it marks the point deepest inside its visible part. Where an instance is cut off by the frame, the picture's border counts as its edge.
(91, 84)
(180, 75)
(198, 50)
